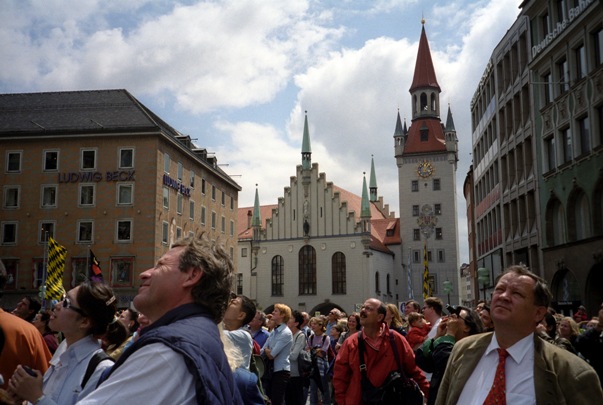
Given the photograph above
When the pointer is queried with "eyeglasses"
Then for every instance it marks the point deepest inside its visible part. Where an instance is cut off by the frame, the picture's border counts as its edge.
(367, 308)
(67, 305)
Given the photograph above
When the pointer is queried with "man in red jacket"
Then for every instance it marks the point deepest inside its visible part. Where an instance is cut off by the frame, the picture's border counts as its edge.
(379, 356)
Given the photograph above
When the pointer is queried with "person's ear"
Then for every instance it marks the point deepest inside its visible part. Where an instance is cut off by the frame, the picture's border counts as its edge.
(192, 277)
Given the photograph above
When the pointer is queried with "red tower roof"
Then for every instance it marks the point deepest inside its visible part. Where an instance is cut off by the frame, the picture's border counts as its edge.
(424, 72)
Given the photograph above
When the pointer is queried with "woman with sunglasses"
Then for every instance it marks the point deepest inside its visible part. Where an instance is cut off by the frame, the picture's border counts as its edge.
(82, 316)
(433, 355)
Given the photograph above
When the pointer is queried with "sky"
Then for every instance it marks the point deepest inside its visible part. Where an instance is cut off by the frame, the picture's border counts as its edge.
(238, 75)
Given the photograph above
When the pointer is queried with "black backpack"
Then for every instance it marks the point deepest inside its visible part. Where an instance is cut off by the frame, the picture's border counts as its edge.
(93, 363)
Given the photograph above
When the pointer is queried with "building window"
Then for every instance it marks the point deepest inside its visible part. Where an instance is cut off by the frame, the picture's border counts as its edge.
(415, 210)
(377, 286)
(278, 275)
(239, 283)
(178, 233)
(438, 209)
(192, 179)
(438, 234)
(416, 234)
(584, 131)
(563, 75)
(436, 184)
(232, 203)
(388, 284)
(566, 138)
(416, 256)
(179, 203)
(598, 45)
(51, 160)
(46, 231)
(126, 158)
(243, 252)
(581, 68)
(338, 273)
(124, 230)
(414, 186)
(232, 225)
(547, 87)
(179, 171)
(203, 186)
(165, 231)
(223, 224)
(213, 220)
(441, 256)
(12, 196)
(307, 270)
(213, 192)
(12, 271)
(9, 233)
(13, 161)
(121, 271)
(48, 196)
(125, 194)
(191, 210)
(166, 163)
(88, 159)
(551, 151)
(561, 13)
(429, 256)
(85, 230)
(166, 198)
(87, 195)
(79, 270)
(202, 215)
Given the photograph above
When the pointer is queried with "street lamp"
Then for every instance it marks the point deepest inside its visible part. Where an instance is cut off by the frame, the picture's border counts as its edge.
(483, 275)
(447, 288)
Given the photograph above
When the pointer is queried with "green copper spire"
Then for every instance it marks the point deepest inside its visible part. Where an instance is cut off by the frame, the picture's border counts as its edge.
(373, 181)
(365, 207)
(256, 220)
(399, 131)
(449, 121)
(306, 149)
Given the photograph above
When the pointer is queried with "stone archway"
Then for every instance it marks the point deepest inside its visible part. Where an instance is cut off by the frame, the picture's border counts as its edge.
(324, 308)
(594, 293)
(566, 291)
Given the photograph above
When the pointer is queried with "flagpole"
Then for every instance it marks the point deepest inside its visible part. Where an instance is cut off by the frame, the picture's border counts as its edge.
(44, 272)
(409, 271)
(88, 262)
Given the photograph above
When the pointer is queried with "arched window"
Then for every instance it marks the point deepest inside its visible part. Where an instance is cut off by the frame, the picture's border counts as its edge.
(578, 221)
(424, 102)
(414, 104)
(307, 271)
(555, 223)
(433, 102)
(338, 273)
(278, 275)
(377, 289)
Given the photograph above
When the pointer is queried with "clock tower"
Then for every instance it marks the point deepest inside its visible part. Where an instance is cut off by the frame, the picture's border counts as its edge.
(426, 155)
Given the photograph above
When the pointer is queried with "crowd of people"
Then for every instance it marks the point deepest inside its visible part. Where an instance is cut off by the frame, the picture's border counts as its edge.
(194, 341)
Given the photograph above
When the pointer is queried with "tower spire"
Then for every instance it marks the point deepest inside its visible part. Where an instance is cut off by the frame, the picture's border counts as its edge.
(373, 181)
(365, 207)
(424, 71)
(256, 220)
(306, 149)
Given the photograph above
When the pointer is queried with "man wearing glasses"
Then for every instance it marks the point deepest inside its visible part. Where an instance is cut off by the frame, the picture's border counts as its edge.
(332, 320)
(378, 356)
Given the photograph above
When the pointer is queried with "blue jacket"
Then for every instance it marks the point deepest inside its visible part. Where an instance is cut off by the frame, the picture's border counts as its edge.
(190, 331)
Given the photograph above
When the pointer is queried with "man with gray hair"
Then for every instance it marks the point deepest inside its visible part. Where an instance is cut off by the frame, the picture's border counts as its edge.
(179, 357)
(512, 364)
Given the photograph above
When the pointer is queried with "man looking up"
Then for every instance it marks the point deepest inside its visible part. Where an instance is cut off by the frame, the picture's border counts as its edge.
(256, 327)
(432, 311)
(240, 311)
(27, 308)
(179, 358)
(378, 356)
(512, 365)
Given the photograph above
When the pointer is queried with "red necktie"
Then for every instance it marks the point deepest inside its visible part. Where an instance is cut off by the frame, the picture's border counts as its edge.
(498, 392)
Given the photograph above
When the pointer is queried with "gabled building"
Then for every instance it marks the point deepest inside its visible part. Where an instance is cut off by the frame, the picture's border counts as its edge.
(426, 155)
(319, 246)
(98, 171)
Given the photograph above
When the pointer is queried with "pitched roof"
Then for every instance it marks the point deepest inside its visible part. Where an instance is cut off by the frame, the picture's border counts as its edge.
(66, 112)
(424, 72)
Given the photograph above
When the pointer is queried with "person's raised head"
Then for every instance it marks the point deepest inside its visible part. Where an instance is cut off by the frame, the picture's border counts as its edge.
(98, 303)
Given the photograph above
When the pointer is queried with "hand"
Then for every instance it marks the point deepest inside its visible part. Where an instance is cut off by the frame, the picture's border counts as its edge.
(267, 352)
(453, 326)
(26, 386)
(442, 327)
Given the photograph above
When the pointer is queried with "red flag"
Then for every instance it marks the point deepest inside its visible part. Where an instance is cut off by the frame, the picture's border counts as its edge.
(95, 269)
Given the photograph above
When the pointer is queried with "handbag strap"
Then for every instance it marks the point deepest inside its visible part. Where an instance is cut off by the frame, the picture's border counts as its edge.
(361, 355)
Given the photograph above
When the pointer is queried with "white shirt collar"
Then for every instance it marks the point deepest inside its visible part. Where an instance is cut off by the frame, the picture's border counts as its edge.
(517, 351)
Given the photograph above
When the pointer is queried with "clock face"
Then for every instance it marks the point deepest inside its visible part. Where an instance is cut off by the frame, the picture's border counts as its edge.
(425, 169)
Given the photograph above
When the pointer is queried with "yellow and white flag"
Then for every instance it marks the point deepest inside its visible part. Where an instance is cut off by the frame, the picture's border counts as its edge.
(56, 268)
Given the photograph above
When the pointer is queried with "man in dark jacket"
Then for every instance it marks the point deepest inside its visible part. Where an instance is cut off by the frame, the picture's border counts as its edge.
(179, 357)
(590, 345)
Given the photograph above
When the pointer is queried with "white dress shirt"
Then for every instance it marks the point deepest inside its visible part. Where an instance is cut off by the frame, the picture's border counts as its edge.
(519, 374)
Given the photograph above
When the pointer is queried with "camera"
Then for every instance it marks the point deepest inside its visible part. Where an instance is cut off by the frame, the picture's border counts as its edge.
(452, 310)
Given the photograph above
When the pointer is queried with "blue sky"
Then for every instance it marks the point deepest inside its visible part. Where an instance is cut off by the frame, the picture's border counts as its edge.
(238, 75)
